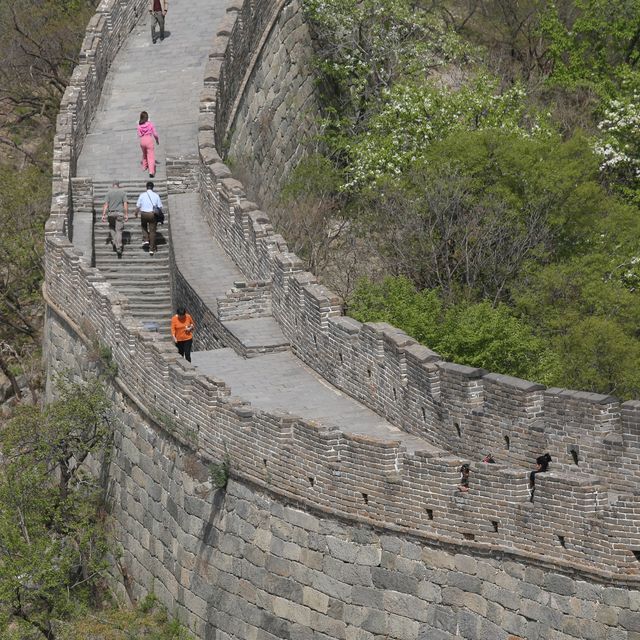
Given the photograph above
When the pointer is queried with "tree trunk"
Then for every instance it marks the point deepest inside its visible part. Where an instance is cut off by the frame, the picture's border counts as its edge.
(4, 367)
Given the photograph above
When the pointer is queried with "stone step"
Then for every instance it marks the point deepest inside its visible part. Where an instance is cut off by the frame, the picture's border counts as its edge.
(143, 279)
(123, 269)
(141, 283)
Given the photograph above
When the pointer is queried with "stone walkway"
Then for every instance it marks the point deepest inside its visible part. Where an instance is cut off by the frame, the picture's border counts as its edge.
(279, 381)
(166, 79)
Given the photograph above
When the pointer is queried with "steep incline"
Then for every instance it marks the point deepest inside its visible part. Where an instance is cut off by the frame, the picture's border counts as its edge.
(144, 279)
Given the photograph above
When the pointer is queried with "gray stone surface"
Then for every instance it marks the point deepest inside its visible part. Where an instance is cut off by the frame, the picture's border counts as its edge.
(279, 381)
(164, 79)
(235, 564)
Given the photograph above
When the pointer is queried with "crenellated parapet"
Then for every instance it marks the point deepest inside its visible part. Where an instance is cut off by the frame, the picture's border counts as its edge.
(466, 411)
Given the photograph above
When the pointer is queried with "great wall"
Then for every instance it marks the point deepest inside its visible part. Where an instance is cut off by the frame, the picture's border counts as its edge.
(342, 517)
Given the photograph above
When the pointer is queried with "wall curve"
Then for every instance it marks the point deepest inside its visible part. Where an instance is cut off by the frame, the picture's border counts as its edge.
(243, 563)
(580, 533)
(268, 110)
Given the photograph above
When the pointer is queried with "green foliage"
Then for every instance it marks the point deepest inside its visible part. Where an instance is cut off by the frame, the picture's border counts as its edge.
(477, 335)
(398, 302)
(591, 41)
(219, 471)
(24, 204)
(148, 620)
(39, 42)
(480, 206)
(364, 46)
(105, 356)
(598, 355)
(52, 541)
(454, 177)
(412, 116)
(619, 142)
(589, 317)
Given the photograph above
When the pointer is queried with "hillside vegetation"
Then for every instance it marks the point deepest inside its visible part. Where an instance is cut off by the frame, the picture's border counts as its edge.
(39, 44)
(56, 552)
(479, 180)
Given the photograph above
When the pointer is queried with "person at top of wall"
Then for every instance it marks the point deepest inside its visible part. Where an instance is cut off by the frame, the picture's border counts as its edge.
(158, 10)
(488, 459)
(464, 478)
(147, 134)
(542, 465)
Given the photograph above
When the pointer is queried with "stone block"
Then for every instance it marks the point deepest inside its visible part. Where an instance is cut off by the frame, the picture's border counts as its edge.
(348, 573)
(616, 597)
(354, 553)
(630, 620)
(384, 579)
(465, 582)
(402, 628)
(560, 584)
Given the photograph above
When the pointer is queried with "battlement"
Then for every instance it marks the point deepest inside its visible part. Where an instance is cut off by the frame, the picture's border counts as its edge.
(586, 509)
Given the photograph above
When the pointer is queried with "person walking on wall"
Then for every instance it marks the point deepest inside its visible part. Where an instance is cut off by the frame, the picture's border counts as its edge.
(147, 134)
(182, 332)
(147, 205)
(116, 212)
(542, 466)
(158, 11)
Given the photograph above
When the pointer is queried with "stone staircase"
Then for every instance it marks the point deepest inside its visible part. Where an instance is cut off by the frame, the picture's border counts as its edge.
(144, 279)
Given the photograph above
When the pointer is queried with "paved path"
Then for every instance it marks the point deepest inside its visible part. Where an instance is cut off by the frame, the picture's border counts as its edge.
(166, 79)
(280, 381)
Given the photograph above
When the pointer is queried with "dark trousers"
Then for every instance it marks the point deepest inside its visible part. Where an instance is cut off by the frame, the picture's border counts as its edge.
(157, 19)
(184, 349)
(116, 225)
(149, 224)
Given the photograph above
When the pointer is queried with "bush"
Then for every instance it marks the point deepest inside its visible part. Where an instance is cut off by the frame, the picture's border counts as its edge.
(477, 335)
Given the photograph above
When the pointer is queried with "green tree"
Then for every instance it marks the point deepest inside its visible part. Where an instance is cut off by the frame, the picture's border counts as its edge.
(39, 42)
(598, 355)
(477, 335)
(479, 207)
(52, 541)
(592, 42)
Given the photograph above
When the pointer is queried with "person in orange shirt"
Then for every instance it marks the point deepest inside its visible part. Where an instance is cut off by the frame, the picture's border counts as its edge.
(182, 332)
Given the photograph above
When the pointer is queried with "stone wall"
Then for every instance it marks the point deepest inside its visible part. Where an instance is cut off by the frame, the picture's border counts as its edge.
(575, 520)
(343, 571)
(247, 565)
(267, 105)
(241, 562)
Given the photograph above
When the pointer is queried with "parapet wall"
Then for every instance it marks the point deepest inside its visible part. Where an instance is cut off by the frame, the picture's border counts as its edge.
(576, 524)
(244, 563)
(268, 109)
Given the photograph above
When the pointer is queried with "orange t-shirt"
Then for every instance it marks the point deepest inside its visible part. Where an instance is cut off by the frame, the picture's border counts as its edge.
(179, 328)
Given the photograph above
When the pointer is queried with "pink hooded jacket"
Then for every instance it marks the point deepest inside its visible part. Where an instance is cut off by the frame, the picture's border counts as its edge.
(147, 129)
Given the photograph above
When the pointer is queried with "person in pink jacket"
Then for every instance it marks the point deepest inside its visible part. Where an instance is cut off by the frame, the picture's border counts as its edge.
(147, 133)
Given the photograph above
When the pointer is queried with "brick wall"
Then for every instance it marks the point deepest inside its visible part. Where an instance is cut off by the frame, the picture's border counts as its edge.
(246, 563)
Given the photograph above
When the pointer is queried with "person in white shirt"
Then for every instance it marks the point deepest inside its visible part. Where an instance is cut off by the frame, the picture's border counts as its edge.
(147, 200)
